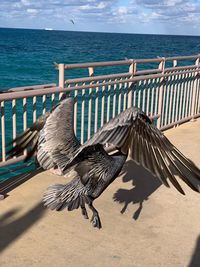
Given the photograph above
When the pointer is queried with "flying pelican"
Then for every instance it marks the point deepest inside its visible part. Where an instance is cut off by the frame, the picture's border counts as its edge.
(131, 132)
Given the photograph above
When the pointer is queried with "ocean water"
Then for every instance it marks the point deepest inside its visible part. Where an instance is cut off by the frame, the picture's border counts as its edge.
(27, 56)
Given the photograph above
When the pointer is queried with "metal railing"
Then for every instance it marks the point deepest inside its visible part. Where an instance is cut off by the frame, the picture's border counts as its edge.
(169, 92)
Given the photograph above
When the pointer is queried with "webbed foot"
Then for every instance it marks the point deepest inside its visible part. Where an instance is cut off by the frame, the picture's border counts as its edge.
(96, 222)
(84, 212)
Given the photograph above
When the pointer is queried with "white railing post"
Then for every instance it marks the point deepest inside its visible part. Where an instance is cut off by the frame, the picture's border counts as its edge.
(3, 132)
(160, 100)
(61, 69)
(174, 63)
(194, 90)
(132, 71)
(91, 71)
(91, 74)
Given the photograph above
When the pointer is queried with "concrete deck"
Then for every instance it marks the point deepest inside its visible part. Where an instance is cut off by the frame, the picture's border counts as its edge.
(144, 223)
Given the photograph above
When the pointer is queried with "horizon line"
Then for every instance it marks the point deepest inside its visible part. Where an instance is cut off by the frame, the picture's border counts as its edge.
(44, 29)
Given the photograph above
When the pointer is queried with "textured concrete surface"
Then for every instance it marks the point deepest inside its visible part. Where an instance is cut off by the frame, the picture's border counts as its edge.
(144, 223)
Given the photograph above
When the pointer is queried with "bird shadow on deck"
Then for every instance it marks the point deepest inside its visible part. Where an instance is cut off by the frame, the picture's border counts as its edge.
(10, 229)
(144, 185)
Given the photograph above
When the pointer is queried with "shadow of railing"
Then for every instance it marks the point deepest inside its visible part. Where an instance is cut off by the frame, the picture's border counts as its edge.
(10, 231)
(195, 260)
(144, 185)
(9, 184)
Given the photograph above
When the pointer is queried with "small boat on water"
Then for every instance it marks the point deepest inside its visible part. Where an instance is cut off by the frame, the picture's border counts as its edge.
(48, 29)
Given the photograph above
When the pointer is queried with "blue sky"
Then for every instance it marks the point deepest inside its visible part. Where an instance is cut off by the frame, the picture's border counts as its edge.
(128, 16)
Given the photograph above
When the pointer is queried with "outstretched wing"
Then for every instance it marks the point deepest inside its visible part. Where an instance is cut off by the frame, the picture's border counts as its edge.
(28, 139)
(117, 130)
(132, 130)
(52, 136)
(150, 148)
(58, 133)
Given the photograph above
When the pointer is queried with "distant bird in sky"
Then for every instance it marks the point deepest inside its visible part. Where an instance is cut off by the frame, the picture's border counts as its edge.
(90, 166)
(72, 21)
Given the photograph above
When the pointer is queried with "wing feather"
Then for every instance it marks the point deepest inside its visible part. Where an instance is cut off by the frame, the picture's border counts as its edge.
(132, 130)
(52, 136)
(58, 131)
(167, 161)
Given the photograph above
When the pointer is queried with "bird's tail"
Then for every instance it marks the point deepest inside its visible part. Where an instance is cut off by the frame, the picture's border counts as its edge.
(70, 196)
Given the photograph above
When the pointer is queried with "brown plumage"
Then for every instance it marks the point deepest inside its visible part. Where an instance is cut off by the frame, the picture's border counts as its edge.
(131, 132)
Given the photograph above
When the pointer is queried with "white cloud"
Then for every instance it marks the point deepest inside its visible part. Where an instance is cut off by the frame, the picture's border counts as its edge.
(172, 2)
(25, 2)
(122, 10)
(32, 11)
(102, 12)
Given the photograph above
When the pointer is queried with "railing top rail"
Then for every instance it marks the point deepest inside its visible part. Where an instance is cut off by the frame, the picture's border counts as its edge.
(111, 76)
(127, 62)
(137, 73)
(183, 68)
(29, 93)
(99, 77)
(182, 57)
(27, 88)
(39, 92)
(98, 64)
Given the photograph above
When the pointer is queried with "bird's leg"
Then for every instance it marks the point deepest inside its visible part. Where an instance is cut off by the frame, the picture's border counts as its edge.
(96, 222)
(84, 212)
(56, 170)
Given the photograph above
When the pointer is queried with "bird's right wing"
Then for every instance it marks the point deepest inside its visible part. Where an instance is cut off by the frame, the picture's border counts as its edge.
(52, 136)
(117, 130)
(58, 137)
(132, 130)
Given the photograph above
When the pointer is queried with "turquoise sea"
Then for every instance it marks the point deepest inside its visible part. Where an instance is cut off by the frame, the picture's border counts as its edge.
(27, 56)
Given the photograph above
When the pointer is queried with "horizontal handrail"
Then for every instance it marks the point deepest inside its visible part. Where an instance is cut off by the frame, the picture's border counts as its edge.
(21, 94)
(111, 76)
(127, 62)
(127, 74)
(168, 126)
(149, 71)
(98, 64)
(183, 68)
(97, 78)
(31, 93)
(31, 87)
(182, 57)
